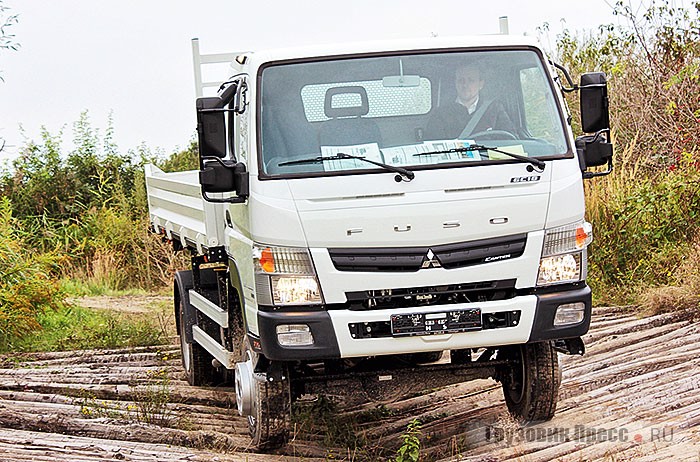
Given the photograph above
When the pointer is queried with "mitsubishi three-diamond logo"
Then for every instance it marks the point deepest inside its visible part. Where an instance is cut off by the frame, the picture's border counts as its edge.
(430, 261)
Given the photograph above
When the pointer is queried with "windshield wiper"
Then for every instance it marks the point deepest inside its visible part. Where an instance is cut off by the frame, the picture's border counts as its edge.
(402, 172)
(478, 147)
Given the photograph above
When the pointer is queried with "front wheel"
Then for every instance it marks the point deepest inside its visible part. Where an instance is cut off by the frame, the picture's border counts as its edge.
(267, 404)
(531, 382)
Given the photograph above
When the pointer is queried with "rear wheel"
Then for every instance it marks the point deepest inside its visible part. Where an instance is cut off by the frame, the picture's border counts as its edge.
(531, 383)
(195, 359)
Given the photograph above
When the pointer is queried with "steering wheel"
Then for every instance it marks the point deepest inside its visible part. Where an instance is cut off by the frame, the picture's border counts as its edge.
(494, 135)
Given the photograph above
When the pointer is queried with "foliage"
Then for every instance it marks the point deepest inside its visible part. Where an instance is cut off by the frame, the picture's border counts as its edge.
(75, 328)
(152, 403)
(83, 214)
(669, 299)
(26, 287)
(644, 225)
(89, 205)
(187, 159)
(322, 415)
(645, 214)
(410, 449)
(7, 39)
(652, 62)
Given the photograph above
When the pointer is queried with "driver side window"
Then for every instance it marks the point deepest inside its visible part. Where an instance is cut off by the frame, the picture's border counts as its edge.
(539, 106)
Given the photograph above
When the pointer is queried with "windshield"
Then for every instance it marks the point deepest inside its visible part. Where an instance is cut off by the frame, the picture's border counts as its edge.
(415, 111)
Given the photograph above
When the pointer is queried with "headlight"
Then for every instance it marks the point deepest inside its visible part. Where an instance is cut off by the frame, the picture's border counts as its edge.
(288, 290)
(564, 254)
(559, 269)
(285, 276)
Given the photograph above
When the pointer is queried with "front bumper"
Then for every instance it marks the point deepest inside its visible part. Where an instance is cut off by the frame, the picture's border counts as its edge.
(333, 335)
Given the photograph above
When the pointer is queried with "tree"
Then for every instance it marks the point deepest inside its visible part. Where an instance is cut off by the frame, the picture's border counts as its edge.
(7, 20)
(7, 40)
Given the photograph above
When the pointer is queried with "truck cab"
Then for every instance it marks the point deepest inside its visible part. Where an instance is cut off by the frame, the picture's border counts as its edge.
(357, 225)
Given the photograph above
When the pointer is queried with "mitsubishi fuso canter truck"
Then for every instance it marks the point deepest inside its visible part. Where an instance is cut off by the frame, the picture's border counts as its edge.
(378, 218)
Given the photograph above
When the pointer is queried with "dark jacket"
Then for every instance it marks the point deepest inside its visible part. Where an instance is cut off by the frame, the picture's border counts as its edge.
(450, 119)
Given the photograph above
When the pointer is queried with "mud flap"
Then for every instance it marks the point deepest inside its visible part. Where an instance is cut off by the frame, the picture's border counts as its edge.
(182, 285)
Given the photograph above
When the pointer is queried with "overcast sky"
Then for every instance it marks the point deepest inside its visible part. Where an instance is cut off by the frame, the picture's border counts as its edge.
(133, 57)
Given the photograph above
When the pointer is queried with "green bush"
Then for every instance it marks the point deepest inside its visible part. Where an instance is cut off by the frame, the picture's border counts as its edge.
(72, 327)
(410, 448)
(645, 214)
(27, 288)
(89, 205)
(644, 230)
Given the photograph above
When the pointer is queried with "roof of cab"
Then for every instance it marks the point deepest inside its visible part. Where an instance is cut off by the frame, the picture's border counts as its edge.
(257, 58)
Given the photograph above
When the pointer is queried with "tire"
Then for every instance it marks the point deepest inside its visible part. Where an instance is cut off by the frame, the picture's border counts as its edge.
(195, 359)
(531, 383)
(270, 418)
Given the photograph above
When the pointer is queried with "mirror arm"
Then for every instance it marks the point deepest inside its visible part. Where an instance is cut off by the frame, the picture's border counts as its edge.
(586, 175)
(225, 200)
(216, 110)
(241, 98)
(572, 86)
(597, 135)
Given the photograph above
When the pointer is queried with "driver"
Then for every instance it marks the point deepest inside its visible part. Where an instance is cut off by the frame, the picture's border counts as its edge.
(450, 120)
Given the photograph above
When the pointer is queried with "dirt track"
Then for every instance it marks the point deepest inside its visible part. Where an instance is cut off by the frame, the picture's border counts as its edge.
(635, 395)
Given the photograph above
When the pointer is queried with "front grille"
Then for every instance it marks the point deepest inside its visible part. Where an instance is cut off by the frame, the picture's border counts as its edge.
(425, 296)
(449, 256)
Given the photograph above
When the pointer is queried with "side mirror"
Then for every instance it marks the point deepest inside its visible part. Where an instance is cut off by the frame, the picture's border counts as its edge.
(594, 150)
(211, 125)
(594, 102)
(224, 176)
(211, 128)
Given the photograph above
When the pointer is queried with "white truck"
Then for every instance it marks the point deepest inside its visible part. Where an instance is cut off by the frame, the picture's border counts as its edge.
(343, 240)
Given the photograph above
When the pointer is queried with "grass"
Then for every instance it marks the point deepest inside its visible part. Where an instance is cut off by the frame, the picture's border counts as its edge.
(83, 288)
(151, 404)
(74, 328)
(645, 223)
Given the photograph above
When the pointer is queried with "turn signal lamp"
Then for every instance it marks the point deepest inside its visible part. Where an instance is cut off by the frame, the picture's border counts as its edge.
(568, 238)
(267, 260)
(285, 276)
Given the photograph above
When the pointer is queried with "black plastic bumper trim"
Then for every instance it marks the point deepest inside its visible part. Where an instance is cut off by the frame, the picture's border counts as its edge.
(543, 327)
(325, 342)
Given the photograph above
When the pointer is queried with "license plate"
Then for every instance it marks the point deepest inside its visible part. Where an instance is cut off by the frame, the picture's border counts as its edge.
(446, 322)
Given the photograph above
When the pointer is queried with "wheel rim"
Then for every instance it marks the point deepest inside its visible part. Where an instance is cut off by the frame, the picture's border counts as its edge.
(185, 348)
(249, 357)
(245, 388)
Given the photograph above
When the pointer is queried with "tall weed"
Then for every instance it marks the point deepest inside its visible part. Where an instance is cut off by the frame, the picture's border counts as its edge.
(645, 214)
(645, 224)
(27, 288)
(89, 206)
